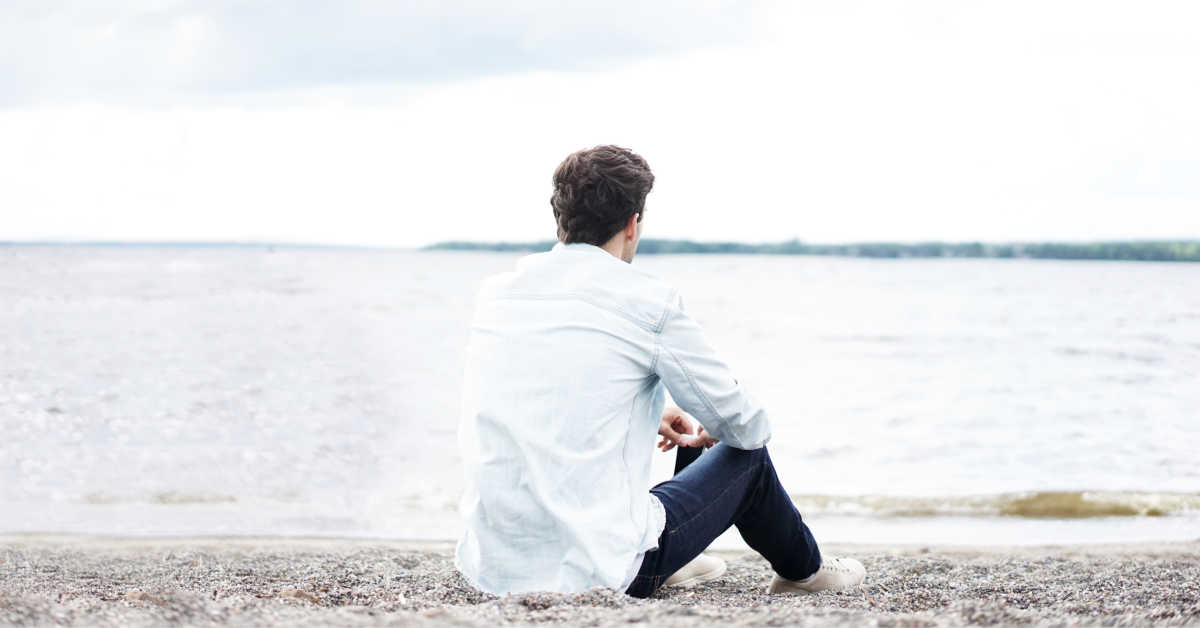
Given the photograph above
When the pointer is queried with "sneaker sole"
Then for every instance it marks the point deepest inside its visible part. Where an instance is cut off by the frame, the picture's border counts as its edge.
(699, 578)
(782, 586)
(777, 587)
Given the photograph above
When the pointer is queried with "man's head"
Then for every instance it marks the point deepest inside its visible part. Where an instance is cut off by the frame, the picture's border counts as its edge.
(599, 198)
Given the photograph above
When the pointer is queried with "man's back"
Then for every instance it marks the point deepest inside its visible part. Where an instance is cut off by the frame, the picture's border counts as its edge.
(561, 401)
(566, 368)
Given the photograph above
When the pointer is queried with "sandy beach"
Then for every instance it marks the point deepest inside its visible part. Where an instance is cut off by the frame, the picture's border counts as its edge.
(83, 580)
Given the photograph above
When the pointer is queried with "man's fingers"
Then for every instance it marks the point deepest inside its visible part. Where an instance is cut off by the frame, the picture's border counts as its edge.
(706, 439)
(671, 435)
(681, 432)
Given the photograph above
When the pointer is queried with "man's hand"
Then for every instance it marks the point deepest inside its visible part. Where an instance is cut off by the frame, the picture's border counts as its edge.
(676, 428)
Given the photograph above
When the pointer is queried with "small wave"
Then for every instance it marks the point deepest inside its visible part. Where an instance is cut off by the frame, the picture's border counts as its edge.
(1112, 354)
(1040, 505)
(166, 497)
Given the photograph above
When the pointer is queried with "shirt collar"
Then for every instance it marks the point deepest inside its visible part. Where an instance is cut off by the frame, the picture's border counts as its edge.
(590, 249)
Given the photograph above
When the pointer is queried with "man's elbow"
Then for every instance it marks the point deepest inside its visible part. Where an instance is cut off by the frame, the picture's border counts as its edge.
(749, 430)
(748, 445)
(745, 439)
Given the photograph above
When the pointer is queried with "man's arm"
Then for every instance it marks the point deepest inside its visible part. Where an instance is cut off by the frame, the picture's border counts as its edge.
(704, 386)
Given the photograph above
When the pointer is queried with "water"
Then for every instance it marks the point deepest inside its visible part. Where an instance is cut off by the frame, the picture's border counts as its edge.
(170, 391)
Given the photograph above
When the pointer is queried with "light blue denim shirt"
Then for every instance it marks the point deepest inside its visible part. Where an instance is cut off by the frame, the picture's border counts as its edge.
(563, 392)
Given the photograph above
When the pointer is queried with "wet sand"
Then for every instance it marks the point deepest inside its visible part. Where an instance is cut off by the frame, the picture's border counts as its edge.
(80, 580)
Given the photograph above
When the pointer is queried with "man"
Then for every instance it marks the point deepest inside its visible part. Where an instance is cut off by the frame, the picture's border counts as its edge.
(564, 391)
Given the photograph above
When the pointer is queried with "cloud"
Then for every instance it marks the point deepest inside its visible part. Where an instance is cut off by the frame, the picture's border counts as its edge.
(172, 52)
(840, 121)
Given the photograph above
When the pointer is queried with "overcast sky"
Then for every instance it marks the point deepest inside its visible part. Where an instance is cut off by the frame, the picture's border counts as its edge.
(405, 123)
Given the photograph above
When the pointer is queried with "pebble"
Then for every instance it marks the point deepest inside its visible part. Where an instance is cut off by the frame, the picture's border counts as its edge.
(300, 595)
(358, 583)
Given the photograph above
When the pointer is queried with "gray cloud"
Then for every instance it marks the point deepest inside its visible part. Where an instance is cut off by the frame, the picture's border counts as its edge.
(179, 51)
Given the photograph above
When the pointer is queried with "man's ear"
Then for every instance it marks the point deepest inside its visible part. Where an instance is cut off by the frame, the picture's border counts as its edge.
(631, 226)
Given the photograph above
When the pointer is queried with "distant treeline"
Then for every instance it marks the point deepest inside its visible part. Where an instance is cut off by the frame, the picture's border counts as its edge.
(1148, 251)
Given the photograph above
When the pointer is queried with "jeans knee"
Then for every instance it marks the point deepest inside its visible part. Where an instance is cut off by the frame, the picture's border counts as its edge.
(757, 458)
(760, 460)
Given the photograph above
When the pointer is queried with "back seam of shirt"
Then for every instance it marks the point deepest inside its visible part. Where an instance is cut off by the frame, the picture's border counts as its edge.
(625, 462)
(517, 296)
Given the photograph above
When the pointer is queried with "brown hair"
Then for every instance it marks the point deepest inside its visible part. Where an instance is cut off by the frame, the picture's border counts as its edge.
(596, 190)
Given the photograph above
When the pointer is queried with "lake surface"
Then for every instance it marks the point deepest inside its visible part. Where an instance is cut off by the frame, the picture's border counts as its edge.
(174, 390)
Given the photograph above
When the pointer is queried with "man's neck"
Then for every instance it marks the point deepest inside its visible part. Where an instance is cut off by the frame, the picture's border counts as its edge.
(616, 247)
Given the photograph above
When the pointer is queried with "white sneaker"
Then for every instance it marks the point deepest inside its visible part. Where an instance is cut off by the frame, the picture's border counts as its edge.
(702, 569)
(835, 573)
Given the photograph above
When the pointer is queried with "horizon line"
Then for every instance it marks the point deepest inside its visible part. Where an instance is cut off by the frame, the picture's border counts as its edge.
(537, 242)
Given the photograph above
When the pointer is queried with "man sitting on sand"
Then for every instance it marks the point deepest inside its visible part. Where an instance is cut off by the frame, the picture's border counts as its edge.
(567, 362)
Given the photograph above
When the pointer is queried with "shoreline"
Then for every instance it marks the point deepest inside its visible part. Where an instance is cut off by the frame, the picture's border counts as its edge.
(65, 539)
(73, 579)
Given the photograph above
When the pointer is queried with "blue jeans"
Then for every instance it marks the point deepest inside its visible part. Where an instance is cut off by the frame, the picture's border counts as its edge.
(726, 487)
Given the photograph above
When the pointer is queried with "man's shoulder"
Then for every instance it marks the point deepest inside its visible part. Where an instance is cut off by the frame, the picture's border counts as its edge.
(608, 283)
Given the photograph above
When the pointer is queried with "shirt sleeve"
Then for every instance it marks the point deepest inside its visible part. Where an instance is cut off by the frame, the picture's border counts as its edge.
(703, 385)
